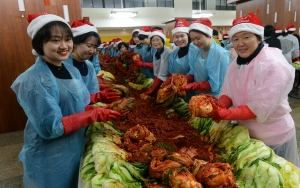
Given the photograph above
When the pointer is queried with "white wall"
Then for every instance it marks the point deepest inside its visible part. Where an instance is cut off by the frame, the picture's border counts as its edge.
(151, 16)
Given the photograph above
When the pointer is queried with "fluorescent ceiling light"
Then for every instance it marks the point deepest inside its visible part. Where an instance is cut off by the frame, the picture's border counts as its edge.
(202, 15)
(122, 14)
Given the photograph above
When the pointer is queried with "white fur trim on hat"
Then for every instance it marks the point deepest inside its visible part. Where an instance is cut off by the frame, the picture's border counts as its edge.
(292, 29)
(83, 29)
(37, 23)
(201, 27)
(253, 28)
(141, 32)
(278, 31)
(135, 30)
(132, 46)
(153, 33)
(180, 29)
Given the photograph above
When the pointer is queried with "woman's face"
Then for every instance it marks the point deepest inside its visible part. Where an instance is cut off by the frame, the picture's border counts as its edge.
(245, 43)
(58, 48)
(84, 51)
(123, 49)
(181, 39)
(201, 41)
(146, 41)
(136, 40)
(157, 42)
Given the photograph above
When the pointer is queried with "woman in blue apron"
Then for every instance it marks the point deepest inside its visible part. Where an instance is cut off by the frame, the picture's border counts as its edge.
(207, 66)
(178, 60)
(86, 41)
(146, 62)
(54, 98)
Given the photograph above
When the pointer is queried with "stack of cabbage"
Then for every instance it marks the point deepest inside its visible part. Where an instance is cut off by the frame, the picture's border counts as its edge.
(104, 163)
(253, 163)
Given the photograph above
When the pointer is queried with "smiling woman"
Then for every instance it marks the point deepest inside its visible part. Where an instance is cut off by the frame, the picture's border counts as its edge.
(256, 74)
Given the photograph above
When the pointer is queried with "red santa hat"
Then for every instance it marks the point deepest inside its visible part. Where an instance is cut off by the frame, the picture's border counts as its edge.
(278, 30)
(131, 43)
(100, 46)
(80, 27)
(105, 44)
(290, 27)
(225, 36)
(135, 31)
(158, 32)
(250, 23)
(117, 41)
(202, 24)
(145, 30)
(181, 25)
(37, 21)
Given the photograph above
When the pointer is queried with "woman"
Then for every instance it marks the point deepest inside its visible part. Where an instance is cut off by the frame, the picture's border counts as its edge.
(54, 99)
(256, 85)
(138, 44)
(207, 66)
(160, 59)
(178, 60)
(86, 41)
(147, 53)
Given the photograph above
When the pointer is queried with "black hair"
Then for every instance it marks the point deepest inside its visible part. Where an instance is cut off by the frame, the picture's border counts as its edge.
(142, 36)
(298, 37)
(215, 33)
(269, 31)
(125, 44)
(82, 38)
(157, 28)
(195, 30)
(135, 34)
(284, 33)
(290, 32)
(44, 35)
(277, 34)
(258, 37)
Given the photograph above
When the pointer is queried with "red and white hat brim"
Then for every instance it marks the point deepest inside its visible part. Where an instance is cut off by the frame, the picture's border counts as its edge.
(180, 29)
(225, 37)
(202, 28)
(141, 32)
(132, 46)
(278, 31)
(158, 34)
(138, 30)
(292, 29)
(37, 23)
(253, 28)
(83, 30)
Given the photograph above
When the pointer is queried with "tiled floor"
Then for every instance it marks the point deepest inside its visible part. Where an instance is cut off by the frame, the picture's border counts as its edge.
(11, 144)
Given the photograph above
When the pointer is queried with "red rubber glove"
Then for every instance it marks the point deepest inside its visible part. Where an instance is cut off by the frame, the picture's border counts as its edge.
(103, 87)
(225, 102)
(143, 64)
(106, 96)
(77, 121)
(90, 107)
(155, 86)
(204, 86)
(189, 78)
(242, 112)
(167, 82)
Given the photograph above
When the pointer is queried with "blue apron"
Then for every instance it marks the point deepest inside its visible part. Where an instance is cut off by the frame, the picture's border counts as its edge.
(147, 56)
(50, 158)
(180, 65)
(212, 69)
(90, 80)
